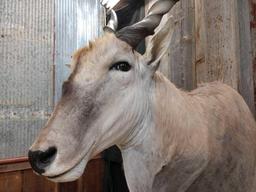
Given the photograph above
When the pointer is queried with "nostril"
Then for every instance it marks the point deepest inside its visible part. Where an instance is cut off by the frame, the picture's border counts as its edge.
(39, 160)
(48, 156)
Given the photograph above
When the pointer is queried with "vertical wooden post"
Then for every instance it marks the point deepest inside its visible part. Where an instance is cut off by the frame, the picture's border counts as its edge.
(188, 43)
(246, 86)
(211, 42)
(223, 48)
(253, 40)
(217, 42)
(181, 57)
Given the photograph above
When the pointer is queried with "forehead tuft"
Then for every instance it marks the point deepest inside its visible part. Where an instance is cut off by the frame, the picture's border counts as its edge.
(99, 47)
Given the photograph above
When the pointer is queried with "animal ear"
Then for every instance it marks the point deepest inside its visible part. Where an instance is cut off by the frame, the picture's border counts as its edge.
(159, 44)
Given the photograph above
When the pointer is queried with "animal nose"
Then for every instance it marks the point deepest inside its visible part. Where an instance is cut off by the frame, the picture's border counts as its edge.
(39, 160)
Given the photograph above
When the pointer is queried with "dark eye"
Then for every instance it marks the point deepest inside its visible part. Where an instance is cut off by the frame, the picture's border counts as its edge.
(121, 66)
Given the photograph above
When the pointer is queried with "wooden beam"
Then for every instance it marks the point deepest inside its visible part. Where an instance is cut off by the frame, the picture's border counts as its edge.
(13, 160)
(6, 168)
(21, 163)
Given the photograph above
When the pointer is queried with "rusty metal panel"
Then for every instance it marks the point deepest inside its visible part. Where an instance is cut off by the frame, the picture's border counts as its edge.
(26, 80)
(77, 22)
(37, 39)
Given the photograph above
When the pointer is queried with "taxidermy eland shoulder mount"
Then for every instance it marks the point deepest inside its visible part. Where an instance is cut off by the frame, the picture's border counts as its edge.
(171, 140)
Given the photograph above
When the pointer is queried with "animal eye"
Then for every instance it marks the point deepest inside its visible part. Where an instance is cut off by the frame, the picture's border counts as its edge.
(121, 66)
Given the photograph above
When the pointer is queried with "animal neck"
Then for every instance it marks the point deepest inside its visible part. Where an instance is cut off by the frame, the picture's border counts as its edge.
(172, 134)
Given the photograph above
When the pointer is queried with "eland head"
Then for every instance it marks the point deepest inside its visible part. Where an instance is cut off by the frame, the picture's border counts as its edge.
(105, 101)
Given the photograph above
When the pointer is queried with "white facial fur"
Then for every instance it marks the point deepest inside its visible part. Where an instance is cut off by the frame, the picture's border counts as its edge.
(99, 107)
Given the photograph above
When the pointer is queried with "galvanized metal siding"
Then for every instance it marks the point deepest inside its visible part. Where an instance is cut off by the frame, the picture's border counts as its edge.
(26, 47)
(77, 22)
(37, 39)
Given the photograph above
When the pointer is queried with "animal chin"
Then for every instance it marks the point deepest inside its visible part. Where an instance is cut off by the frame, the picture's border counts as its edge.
(72, 174)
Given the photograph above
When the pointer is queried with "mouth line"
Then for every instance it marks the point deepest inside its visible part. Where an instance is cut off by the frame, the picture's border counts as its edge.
(65, 172)
(54, 177)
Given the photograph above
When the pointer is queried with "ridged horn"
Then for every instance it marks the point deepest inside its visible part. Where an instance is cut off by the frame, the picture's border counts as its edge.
(135, 33)
(113, 22)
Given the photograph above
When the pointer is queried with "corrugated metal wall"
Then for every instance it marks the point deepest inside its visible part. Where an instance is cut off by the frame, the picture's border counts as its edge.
(77, 22)
(37, 39)
(26, 80)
